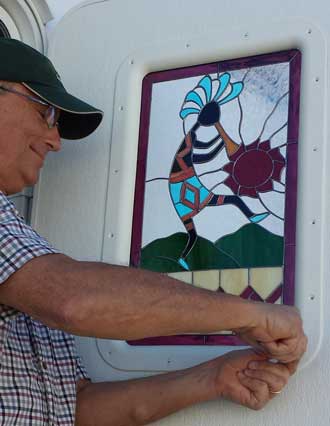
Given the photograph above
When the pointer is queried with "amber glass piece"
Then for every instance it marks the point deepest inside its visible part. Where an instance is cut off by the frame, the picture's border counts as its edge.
(234, 281)
(265, 280)
(207, 279)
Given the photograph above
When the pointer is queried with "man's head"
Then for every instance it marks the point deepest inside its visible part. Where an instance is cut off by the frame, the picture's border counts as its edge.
(35, 111)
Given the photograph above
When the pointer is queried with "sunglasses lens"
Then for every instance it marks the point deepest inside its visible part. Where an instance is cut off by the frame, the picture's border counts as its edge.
(57, 115)
(51, 116)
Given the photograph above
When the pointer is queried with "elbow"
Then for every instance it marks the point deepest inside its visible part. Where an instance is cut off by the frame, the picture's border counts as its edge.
(69, 316)
(60, 317)
(61, 314)
(77, 315)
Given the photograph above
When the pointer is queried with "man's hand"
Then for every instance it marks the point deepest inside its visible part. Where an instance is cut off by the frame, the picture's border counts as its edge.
(249, 379)
(276, 331)
(142, 401)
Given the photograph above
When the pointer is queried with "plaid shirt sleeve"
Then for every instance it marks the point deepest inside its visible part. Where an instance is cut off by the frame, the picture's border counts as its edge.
(19, 243)
(81, 370)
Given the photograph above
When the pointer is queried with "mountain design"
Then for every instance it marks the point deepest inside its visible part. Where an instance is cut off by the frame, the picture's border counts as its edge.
(250, 246)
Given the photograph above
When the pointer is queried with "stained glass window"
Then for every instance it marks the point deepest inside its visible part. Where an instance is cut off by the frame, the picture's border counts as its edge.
(215, 199)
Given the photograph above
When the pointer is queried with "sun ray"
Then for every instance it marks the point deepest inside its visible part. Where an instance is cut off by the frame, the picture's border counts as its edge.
(271, 113)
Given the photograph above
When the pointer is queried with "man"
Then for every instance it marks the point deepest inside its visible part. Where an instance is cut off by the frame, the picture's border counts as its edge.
(44, 294)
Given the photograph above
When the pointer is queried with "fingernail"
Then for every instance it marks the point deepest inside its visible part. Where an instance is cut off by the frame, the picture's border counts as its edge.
(253, 365)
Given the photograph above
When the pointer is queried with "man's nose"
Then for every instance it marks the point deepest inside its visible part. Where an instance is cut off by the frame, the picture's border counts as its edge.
(53, 139)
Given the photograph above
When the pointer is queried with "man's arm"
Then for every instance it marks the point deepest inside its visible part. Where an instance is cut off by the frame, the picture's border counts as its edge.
(139, 402)
(101, 300)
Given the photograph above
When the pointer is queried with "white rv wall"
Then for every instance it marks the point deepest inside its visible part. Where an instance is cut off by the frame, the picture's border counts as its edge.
(102, 50)
(59, 8)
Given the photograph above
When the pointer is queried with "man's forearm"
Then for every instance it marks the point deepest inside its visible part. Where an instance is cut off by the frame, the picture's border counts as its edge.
(100, 300)
(106, 301)
(139, 402)
(126, 303)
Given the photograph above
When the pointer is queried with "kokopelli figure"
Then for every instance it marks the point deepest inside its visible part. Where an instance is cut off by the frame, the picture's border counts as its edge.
(188, 193)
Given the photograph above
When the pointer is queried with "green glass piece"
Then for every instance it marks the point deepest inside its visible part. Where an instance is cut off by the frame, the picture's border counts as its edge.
(253, 246)
(162, 255)
(250, 246)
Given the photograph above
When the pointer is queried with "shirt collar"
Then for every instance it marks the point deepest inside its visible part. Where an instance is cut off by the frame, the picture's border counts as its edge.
(5, 204)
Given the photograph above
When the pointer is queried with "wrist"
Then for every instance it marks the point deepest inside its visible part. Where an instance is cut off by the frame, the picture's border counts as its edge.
(208, 378)
(241, 313)
(216, 374)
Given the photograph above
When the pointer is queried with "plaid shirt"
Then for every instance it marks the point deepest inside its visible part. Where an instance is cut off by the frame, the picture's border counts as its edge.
(39, 367)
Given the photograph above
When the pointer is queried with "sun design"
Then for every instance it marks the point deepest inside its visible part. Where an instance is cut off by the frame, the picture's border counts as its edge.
(253, 168)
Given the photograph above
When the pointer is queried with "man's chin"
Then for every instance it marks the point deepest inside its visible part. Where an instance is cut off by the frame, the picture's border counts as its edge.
(14, 185)
(29, 180)
(32, 180)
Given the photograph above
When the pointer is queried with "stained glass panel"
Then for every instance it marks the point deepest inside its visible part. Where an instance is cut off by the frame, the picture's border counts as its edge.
(215, 201)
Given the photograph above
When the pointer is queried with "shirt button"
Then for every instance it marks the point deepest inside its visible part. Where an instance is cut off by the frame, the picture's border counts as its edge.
(44, 365)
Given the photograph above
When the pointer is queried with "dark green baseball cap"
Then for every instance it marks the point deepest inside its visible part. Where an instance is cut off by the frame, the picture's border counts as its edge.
(21, 63)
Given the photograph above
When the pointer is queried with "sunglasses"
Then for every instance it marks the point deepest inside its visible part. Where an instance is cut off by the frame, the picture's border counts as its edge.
(51, 114)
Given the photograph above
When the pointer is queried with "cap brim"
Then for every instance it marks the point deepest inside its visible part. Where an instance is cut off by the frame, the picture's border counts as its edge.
(78, 119)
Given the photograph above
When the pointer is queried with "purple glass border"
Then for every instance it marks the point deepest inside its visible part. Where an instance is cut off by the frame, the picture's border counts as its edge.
(187, 339)
(292, 56)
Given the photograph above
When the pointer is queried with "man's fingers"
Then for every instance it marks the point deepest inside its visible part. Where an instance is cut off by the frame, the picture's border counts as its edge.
(275, 368)
(284, 348)
(279, 331)
(274, 382)
(292, 366)
(287, 350)
(259, 393)
(303, 345)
